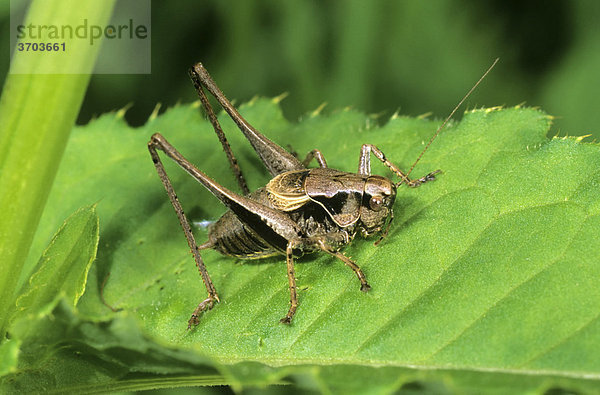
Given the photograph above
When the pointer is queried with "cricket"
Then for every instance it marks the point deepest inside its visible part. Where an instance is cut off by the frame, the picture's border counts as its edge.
(301, 210)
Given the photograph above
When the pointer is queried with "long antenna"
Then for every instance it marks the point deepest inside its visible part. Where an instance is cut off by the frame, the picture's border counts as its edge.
(452, 113)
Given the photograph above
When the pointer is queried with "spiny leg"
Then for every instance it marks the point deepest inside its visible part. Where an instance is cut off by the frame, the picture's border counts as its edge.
(253, 213)
(317, 155)
(233, 163)
(247, 210)
(213, 297)
(292, 282)
(324, 242)
(364, 166)
(364, 286)
(276, 159)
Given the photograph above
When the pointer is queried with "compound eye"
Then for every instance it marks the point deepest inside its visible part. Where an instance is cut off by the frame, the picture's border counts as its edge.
(376, 203)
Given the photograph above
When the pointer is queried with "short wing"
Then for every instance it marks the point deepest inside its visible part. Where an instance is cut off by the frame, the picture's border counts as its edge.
(286, 191)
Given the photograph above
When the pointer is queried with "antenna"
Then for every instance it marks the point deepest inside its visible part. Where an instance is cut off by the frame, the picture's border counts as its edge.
(451, 114)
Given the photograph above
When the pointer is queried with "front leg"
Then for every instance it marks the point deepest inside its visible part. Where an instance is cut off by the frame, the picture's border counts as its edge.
(364, 166)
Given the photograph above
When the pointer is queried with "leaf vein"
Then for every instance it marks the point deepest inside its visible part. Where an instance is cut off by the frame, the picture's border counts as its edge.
(505, 296)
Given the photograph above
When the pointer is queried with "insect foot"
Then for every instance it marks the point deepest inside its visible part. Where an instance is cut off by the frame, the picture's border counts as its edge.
(206, 304)
(422, 180)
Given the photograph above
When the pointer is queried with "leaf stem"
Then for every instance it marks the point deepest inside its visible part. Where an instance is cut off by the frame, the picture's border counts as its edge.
(37, 112)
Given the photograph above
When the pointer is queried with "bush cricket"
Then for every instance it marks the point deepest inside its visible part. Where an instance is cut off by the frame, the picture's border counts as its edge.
(301, 210)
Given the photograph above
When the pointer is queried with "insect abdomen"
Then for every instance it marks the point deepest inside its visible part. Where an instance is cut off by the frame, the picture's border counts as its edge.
(230, 236)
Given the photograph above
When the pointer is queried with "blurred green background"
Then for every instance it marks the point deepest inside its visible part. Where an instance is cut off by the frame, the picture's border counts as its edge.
(378, 56)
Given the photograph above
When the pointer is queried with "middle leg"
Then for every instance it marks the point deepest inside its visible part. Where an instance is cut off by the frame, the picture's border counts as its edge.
(327, 243)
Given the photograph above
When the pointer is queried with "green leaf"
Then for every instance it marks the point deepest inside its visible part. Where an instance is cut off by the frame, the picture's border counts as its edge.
(38, 108)
(9, 351)
(487, 279)
(73, 354)
(63, 267)
(61, 274)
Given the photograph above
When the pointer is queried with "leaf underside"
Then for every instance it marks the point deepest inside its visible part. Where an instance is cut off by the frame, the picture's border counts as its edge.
(487, 279)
